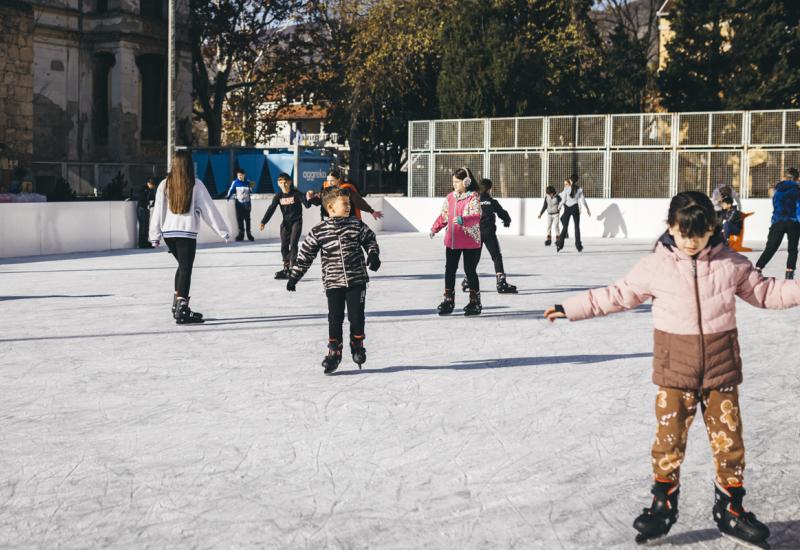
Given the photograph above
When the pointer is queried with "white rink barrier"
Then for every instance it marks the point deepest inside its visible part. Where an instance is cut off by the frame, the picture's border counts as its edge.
(32, 229)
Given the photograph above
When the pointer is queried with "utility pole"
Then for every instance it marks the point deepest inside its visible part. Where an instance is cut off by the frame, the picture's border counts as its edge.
(170, 83)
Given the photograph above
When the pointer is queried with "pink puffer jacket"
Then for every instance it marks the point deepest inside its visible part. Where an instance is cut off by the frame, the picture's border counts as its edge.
(466, 235)
(695, 340)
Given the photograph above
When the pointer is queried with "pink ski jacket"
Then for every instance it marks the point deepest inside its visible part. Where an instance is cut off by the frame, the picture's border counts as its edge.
(466, 235)
(694, 310)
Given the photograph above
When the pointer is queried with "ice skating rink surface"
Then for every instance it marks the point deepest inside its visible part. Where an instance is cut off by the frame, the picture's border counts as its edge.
(120, 429)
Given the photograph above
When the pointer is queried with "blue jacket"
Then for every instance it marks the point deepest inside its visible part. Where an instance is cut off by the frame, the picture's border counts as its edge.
(785, 202)
(241, 189)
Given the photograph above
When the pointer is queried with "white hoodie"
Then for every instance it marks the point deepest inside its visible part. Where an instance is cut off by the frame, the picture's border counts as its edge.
(164, 223)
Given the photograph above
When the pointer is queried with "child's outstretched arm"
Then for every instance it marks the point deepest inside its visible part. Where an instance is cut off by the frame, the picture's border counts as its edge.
(270, 211)
(766, 292)
(305, 257)
(370, 244)
(630, 291)
(441, 221)
(502, 213)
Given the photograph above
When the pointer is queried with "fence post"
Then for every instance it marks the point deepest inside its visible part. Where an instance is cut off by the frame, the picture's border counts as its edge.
(673, 155)
(431, 162)
(410, 158)
(545, 154)
(744, 162)
(607, 160)
(486, 138)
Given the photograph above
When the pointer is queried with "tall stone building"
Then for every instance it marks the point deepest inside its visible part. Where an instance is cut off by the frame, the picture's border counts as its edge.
(99, 86)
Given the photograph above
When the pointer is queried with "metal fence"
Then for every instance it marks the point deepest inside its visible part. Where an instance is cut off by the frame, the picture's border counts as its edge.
(89, 178)
(653, 155)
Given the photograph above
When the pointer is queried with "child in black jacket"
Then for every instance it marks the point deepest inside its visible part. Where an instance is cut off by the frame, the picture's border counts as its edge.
(341, 239)
(291, 202)
(489, 209)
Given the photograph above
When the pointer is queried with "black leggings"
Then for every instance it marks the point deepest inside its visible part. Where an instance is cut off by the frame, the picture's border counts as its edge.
(471, 258)
(184, 250)
(354, 297)
(290, 236)
(243, 217)
(571, 212)
(493, 246)
(774, 240)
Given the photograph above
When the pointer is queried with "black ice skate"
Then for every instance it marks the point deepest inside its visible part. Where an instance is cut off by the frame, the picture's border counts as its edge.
(549, 241)
(559, 245)
(579, 246)
(474, 306)
(465, 285)
(448, 304)
(655, 522)
(789, 274)
(357, 350)
(250, 237)
(240, 237)
(734, 522)
(334, 357)
(502, 285)
(283, 273)
(183, 315)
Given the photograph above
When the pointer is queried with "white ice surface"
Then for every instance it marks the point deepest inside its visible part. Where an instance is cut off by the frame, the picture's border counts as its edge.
(120, 429)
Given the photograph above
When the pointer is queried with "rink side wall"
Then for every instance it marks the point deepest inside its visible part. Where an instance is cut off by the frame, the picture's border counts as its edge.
(32, 229)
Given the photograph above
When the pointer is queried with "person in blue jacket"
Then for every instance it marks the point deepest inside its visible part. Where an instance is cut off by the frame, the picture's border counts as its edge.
(785, 212)
(240, 189)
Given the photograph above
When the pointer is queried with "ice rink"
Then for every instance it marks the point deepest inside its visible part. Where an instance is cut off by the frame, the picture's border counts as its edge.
(120, 429)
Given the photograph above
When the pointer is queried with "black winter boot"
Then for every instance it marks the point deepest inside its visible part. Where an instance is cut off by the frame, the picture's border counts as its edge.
(656, 521)
(549, 241)
(250, 237)
(789, 274)
(502, 285)
(183, 315)
(283, 273)
(465, 285)
(448, 304)
(358, 351)
(474, 306)
(334, 357)
(240, 237)
(734, 521)
(559, 244)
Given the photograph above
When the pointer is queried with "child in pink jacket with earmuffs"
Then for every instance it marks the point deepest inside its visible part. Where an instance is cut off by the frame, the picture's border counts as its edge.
(461, 217)
(693, 279)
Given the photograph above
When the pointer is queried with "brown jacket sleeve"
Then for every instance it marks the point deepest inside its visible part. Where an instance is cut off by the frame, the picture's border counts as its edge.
(358, 200)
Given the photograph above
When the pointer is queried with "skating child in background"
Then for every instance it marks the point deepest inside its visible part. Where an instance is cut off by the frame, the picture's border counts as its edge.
(572, 199)
(489, 209)
(693, 280)
(785, 221)
(341, 239)
(552, 205)
(461, 216)
(240, 189)
(731, 218)
(357, 202)
(291, 202)
(181, 200)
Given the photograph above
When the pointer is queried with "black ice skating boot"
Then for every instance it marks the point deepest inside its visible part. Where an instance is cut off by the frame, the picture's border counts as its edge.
(250, 237)
(465, 285)
(502, 285)
(448, 304)
(240, 237)
(579, 246)
(656, 521)
(474, 306)
(357, 350)
(549, 241)
(734, 521)
(559, 244)
(789, 274)
(334, 357)
(183, 315)
(283, 273)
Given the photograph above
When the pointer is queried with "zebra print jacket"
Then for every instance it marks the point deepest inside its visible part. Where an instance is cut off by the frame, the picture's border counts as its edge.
(341, 241)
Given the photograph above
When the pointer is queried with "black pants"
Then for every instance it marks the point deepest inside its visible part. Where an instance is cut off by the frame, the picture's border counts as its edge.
(290, 236)
(493, 246)
(774, 239)
(571, 212)
(471, 258)
(184, 250)
(243, 217)
(354, 298)
(143, 215)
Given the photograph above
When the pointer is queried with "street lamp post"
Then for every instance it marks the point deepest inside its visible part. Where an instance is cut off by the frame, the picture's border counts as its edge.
(170, 82)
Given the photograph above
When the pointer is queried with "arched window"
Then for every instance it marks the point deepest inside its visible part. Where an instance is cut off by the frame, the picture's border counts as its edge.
(103, 61)
(151, 8)
(153, 71)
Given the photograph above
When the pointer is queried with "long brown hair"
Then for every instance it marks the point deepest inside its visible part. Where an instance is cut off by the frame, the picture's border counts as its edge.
(180, 183)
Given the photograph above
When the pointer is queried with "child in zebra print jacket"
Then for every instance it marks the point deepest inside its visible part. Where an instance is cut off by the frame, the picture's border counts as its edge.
(344, 273)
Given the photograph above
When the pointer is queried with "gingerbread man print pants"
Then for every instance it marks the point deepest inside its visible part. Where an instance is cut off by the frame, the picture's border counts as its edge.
(675, 410)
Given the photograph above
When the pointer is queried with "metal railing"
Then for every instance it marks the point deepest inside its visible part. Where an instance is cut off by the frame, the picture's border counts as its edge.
(647, 155)
(89, 178)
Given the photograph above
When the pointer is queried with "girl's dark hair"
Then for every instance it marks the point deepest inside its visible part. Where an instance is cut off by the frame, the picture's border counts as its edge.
(693, 213)
(573, 188)
(486, 184)
(335, 173)
(550, 189)
(464, 173)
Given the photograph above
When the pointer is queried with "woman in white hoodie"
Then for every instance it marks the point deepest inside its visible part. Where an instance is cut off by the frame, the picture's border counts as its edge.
(181, 200)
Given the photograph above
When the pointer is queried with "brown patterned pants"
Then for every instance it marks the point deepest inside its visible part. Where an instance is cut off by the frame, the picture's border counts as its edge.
(675, 410)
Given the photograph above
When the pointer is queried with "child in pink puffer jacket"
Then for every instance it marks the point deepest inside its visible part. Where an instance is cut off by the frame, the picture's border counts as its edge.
(461, 217)
(693, 279)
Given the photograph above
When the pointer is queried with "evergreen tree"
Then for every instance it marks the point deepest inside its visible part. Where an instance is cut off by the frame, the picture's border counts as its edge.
(626, 72)
(698, 58)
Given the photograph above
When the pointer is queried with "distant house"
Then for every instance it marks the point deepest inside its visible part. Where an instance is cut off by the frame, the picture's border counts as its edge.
(665, 33)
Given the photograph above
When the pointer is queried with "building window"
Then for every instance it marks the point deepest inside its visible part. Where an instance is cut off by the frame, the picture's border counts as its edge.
(151, 8)
(103, 61)
(101, 6)
(153, 71)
